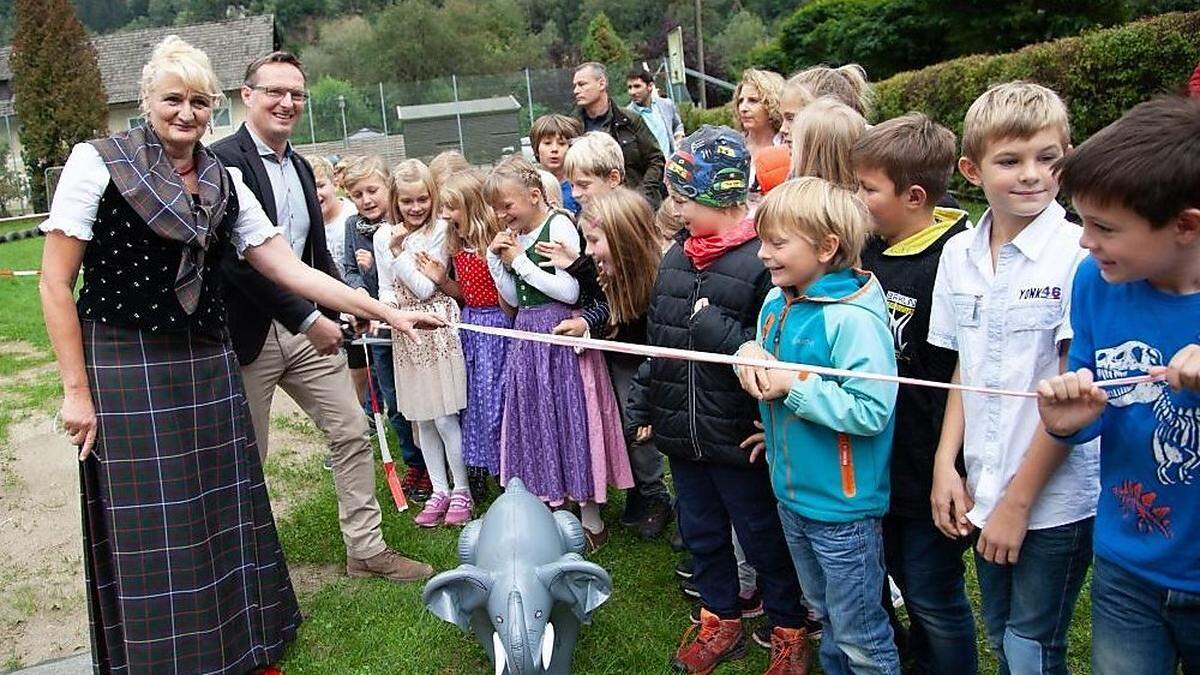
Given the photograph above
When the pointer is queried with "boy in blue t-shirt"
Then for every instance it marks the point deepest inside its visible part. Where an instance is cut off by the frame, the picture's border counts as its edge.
(1136, 311)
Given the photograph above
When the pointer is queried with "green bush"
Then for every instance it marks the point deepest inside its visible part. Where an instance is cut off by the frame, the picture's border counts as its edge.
(694, 117)
(1100, 74)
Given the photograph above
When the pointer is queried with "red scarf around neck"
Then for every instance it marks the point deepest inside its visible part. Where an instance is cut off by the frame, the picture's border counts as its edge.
(704, 251)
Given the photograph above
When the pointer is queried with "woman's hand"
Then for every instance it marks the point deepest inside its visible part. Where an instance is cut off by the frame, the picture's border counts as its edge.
(559, 255)
(79, 421)
(433, 268)
(407, 322)
(575, 327)
(365, 259)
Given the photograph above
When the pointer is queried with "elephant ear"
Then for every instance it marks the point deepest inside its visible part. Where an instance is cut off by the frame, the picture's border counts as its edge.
(571, 531)
(581, 585)
(467, 541)
(452, 596)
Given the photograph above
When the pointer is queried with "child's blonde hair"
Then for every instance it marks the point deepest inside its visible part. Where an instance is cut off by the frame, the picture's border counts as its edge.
(625, 218)
(362, 168)
(551, 188)
(814, 208)
(594, 154)
(769, 85)
(513, 169)
(1013, 110)
(407, 172)
(464, 191)
(446, 163)
(823, 135)
(666, 222)
(322, 168)
(847, 84)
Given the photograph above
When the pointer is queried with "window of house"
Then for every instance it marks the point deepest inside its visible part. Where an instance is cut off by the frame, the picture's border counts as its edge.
(222, 117)
(135, 122)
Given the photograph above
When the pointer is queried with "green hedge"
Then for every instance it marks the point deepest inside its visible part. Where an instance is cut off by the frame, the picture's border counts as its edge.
(694, 117)
(1099, 74)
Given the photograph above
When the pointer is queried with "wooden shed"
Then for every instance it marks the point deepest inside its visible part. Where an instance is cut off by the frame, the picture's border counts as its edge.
(489, 127)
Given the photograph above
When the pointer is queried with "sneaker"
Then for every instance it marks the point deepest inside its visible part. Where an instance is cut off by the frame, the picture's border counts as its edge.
(635, 508)
(424, 487)
(328, 463)
(435, 509)
(762, 634)
(460, 508)
(719, 640)
(749, 607)
(657, 515)
(388, 565)
(685, 568)
(790, 652)
(409, 483)
(689, 589)
(477, 478)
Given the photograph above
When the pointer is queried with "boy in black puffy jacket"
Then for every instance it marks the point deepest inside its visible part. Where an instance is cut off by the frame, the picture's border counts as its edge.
(706, 298)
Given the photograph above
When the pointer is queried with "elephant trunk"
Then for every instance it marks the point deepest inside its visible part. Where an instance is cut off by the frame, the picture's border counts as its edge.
(520, 657)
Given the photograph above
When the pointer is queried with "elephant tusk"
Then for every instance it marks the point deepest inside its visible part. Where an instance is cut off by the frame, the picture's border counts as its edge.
(547, 646)
(501, 657)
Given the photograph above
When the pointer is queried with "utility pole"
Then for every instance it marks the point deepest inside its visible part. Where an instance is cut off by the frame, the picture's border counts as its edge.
(700, 55)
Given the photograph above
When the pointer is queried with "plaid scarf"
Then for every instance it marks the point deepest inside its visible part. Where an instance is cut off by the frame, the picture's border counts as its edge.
(143, 174)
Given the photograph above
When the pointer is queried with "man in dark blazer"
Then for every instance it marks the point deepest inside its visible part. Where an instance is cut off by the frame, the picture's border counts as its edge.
(283, 340)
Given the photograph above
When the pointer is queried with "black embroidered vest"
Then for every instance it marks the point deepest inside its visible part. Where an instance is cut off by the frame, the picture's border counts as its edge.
(129, 272)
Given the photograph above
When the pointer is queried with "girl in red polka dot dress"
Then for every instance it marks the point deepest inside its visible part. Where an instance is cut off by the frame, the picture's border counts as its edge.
(472, 227)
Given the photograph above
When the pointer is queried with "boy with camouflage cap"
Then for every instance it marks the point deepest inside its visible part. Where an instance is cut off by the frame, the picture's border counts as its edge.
(706, 297)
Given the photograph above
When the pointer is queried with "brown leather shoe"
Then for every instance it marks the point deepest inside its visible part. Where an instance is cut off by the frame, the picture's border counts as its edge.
(719, 640)
(595, 539)
(389, 565)
(790, 652)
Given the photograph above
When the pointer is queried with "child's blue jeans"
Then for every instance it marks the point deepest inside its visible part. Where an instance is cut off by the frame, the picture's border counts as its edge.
(383, 374)
(1027, 607)
(840, 566)
(1138, 627)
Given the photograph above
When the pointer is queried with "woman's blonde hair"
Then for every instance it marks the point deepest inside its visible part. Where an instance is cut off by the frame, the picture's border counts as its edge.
(814, 208)
(407, 172)
(173, 56)
(513, 169)
(823, 136)
(848, 84)
(627, 221)
(769, 85)
(464, 191)
(322, 168)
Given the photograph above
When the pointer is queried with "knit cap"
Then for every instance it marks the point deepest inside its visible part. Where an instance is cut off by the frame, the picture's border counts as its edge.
(711, 167)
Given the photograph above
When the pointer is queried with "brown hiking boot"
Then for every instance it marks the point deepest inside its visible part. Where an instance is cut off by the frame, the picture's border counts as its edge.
(719, 640)
(790, 652)
(389, 565)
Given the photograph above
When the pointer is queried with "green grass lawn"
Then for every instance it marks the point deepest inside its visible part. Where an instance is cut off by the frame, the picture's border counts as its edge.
(18, 224)
(379, 627)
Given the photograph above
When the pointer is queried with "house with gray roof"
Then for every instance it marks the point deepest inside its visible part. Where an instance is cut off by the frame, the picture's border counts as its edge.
(231, 45)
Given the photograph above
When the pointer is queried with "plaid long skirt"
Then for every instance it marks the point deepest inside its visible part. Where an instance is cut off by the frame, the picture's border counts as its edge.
(184, 569)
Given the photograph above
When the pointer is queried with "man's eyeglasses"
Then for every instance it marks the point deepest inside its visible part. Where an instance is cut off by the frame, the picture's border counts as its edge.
(277, 93)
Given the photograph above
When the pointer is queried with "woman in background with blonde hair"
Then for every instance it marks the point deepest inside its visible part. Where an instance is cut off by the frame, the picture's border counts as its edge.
(183, 566)
(823, 135)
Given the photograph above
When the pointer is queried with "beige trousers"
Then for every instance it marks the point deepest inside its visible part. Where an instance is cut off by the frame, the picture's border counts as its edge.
(321, 385)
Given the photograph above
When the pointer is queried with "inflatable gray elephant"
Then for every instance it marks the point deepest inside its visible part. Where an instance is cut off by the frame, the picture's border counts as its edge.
(522, 587)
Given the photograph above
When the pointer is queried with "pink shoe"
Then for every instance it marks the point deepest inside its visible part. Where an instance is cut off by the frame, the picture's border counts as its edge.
(460, 508)
(434, 511)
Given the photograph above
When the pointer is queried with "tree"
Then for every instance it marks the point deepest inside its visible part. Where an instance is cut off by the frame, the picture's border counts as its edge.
(602, 44)
(735, 44)
(59, 98)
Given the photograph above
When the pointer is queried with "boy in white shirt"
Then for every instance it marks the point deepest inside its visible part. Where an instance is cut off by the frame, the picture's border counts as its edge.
(1002, 301)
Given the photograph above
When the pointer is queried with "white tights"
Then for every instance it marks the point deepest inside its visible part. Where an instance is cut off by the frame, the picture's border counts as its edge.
(441, 443)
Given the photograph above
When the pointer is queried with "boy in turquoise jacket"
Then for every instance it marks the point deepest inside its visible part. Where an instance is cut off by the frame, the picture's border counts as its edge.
(828, 439)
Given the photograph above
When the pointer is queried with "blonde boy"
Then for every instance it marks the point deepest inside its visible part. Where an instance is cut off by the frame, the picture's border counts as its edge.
(594, 165)
(1002, 302)
(828, 440)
